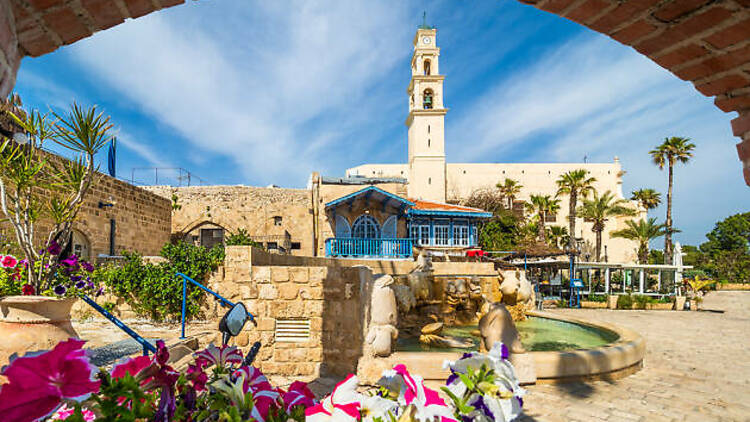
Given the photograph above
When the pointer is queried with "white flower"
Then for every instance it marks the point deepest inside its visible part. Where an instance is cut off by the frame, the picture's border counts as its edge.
(377, 407)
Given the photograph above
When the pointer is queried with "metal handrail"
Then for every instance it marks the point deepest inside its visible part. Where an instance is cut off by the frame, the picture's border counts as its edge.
(224, 302)
(365, 247)
(147, 347)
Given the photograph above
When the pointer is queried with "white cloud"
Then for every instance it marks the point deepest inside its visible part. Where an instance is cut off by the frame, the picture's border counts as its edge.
(593, 97)
(255, 104)
(143, 150)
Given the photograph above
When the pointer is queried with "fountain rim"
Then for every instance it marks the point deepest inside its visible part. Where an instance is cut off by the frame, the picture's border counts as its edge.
(618, 359)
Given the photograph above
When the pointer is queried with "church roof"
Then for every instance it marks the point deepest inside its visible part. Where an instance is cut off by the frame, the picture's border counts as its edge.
(422, 207)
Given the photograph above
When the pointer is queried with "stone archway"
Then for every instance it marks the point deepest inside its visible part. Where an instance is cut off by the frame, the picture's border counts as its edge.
(706, 42)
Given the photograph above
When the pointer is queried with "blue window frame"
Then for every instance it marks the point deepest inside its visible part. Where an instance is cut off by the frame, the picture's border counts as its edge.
(420, 232)
(461, 233)
(366, 227)
(442, 232)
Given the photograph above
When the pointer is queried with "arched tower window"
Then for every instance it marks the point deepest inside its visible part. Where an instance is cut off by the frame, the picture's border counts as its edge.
(427, 67)
(427, 103)
(366, 227)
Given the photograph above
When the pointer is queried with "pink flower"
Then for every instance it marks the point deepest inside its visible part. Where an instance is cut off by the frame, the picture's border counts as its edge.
(264, 395)
(64, 412)
(341, 406)
(298, 395)
(132, 366)
(28, 290)
(9, 261)
(196, 375)
(39, 381)
(220, 356)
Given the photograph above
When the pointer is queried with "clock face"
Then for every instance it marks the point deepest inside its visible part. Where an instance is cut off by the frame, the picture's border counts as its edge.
(426, 40)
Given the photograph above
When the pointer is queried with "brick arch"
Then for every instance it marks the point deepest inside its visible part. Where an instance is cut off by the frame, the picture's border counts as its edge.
(706, 42)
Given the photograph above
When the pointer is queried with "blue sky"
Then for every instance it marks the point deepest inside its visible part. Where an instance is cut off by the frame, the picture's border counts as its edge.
(260, 92)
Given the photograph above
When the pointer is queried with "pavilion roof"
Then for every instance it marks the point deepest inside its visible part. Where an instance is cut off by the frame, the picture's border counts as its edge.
(422, 207)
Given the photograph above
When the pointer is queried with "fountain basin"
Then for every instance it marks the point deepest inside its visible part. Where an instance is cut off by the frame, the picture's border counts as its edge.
(621, 355)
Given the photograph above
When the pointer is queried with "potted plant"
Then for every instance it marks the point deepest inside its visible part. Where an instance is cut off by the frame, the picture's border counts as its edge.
(39, 190)
(698, 286)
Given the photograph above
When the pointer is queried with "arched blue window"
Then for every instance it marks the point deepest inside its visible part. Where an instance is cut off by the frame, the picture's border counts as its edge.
(342, 227)
(366, 227)
(389, 227)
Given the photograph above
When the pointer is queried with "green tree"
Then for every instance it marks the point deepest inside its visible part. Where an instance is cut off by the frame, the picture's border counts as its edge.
(557, 236)
(728, 249)
(598, 210)
(542, 206)
(498, 234)
(509, 188)
(241, 238)
(732, 233)
(574, 183)
(648, 198)
(642, 231)
(668, 153)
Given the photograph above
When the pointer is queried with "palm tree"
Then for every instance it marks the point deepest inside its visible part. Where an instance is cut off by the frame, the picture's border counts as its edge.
(558, 235)
(510, 189)
(598, 209)
(574, 183)
(671, 151)
(648, 198)
(542, 206)
(642, 231)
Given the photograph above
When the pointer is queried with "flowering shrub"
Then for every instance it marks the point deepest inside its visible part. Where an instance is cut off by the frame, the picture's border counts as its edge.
(61, 384)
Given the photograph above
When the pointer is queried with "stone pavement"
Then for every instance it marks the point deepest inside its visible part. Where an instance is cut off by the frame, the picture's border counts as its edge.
(697, 368)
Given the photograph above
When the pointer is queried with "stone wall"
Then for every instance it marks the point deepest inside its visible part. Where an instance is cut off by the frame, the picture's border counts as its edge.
(142, 219)
(243, 207)
(328, 297)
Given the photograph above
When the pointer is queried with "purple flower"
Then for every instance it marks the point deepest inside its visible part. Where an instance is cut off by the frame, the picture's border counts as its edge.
(81, 284)
(100, 291)
(87, 266)
(76, 278)
(60, 290)
(90, 285)
(71, 261)
(504, 353)
(54, 248)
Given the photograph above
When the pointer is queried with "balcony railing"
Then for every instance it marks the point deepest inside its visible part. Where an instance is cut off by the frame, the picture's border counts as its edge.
(361, 247)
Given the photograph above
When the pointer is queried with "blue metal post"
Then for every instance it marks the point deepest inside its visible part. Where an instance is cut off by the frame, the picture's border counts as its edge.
(147, 347)
(184, 305)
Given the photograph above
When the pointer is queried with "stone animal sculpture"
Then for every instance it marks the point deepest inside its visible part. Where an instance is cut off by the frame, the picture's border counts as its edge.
(382, 331)
(517, 289)
(497, 325)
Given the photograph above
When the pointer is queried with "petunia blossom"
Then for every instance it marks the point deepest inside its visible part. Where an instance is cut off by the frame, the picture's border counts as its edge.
(64, 412)
(501, 399)
(377, 408)
(342, 405)
(39, 381)
(54, 248)
(298, 395)
(71, 261)
(87, 266)
(28, 290)
(132, 366)
(220, 356)
(411, 391)
(9, 261)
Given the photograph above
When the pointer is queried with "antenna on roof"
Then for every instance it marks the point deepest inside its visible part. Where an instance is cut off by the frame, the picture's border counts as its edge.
(424, 22)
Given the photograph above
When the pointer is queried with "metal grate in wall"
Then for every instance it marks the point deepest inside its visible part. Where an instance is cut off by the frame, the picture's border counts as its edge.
(292, 330)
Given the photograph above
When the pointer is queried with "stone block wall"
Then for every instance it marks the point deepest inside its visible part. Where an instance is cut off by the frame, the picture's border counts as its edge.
(243, 207)
(142, 219)
(328, 297)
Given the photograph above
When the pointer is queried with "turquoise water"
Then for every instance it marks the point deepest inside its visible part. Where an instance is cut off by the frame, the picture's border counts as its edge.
(537, 335)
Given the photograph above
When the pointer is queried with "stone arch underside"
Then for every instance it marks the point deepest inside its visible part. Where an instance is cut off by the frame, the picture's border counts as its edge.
(706, 42)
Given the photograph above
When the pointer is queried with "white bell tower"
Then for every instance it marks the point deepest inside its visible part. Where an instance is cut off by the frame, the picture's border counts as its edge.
(426, 120)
